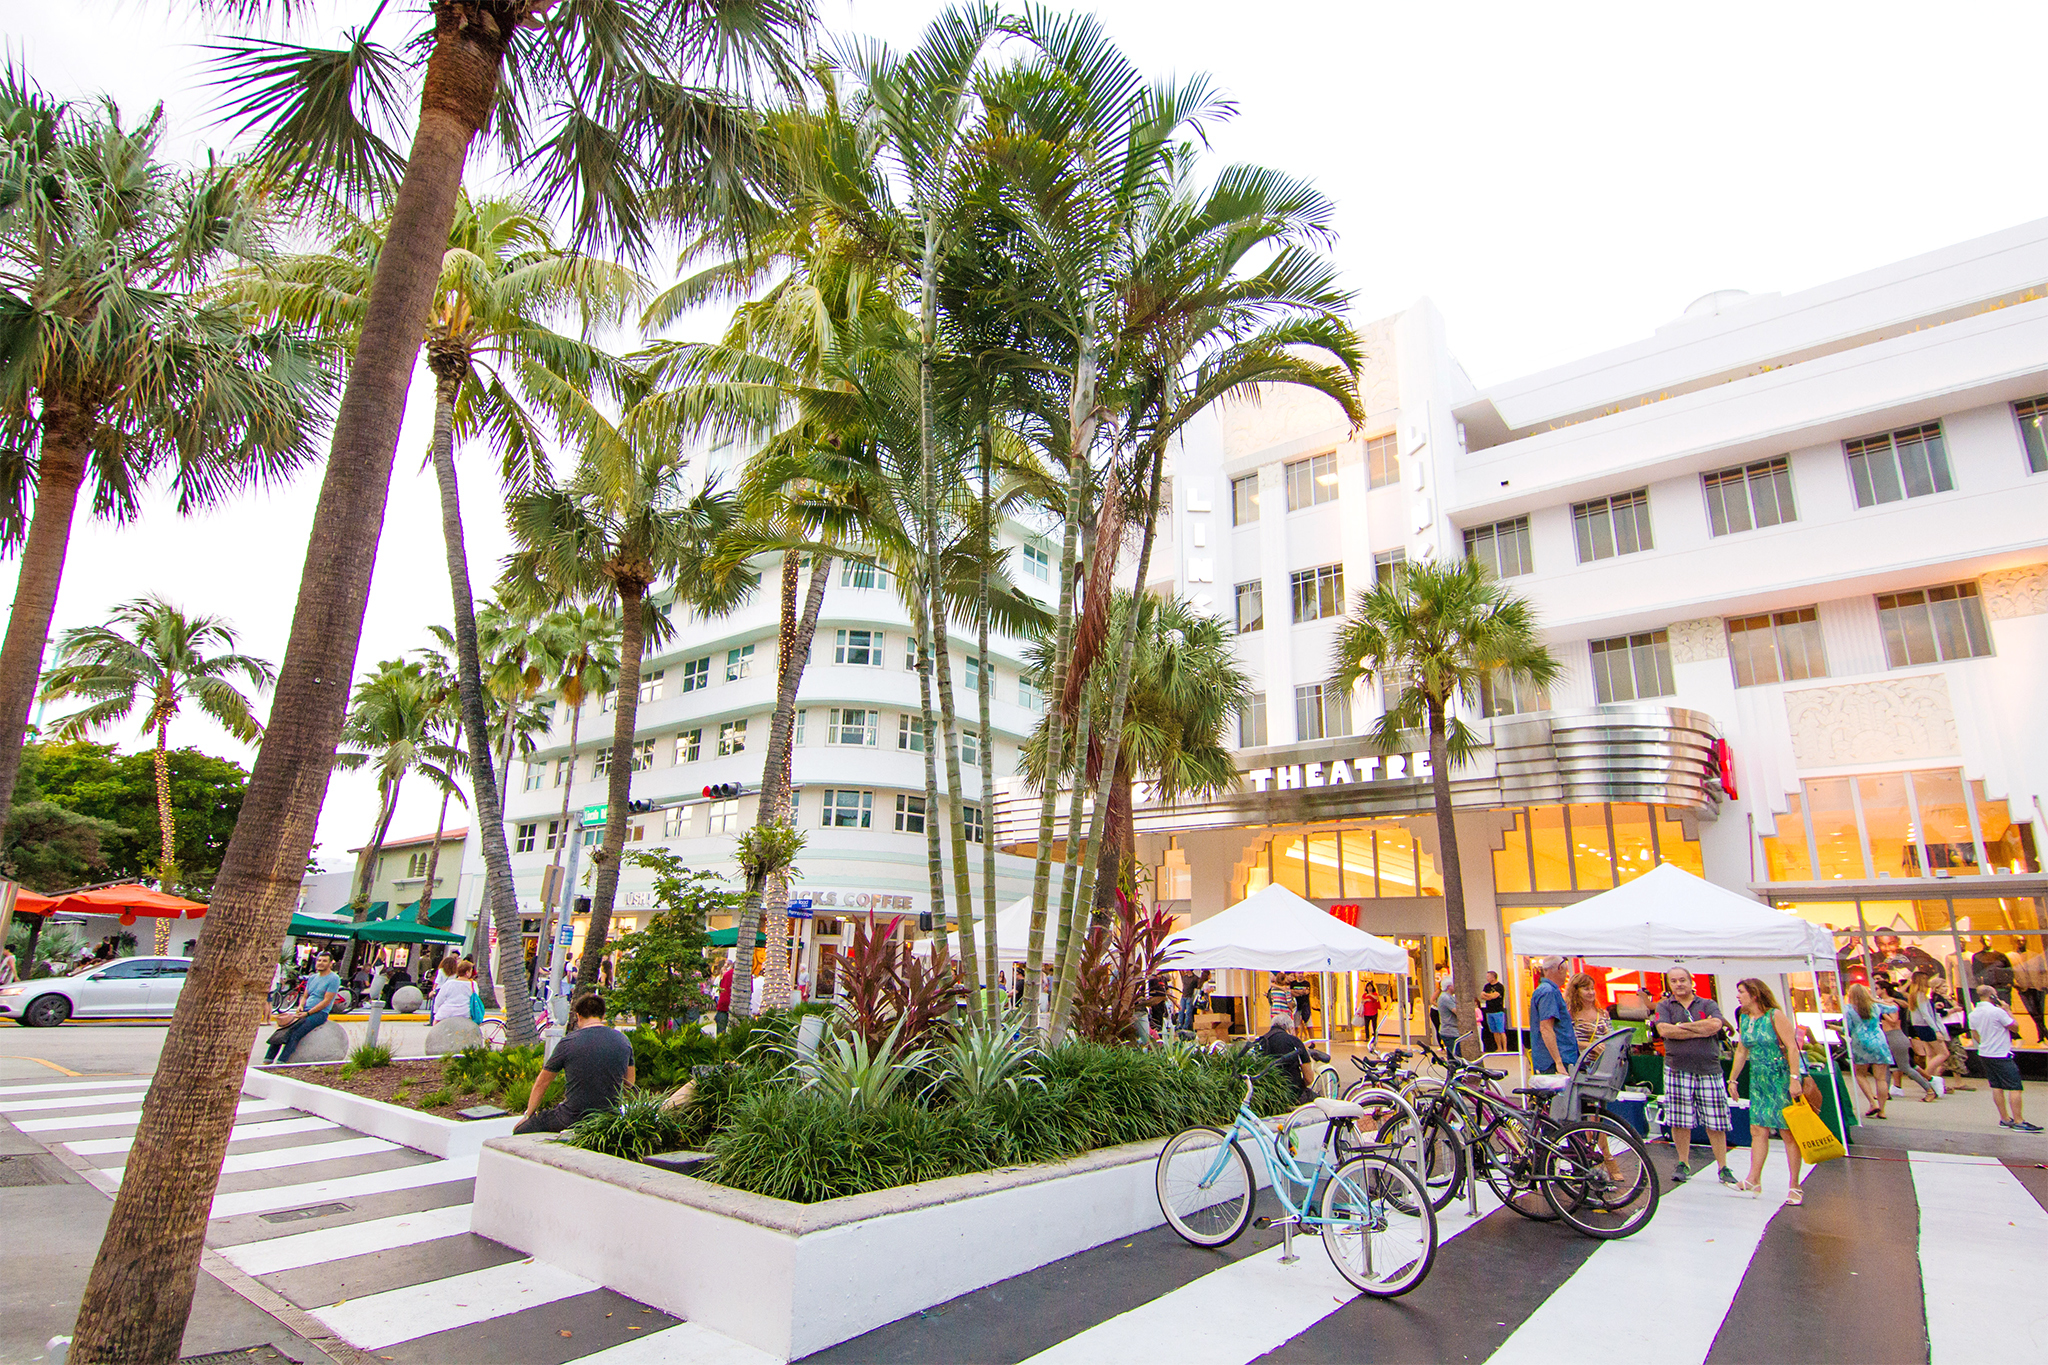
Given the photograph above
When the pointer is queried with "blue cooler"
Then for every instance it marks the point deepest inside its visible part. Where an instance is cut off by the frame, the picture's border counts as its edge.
(1632, 1108)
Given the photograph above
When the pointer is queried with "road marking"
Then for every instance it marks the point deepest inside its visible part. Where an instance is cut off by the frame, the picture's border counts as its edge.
(378, 1320)
(1981, 1233)
(98, 1083)
(128, 1093)
(133, 1116)
(343, 1187)
(684, 1341)
(289, 1156)
(241, 1132)
(352, 1239)
(17, 1057)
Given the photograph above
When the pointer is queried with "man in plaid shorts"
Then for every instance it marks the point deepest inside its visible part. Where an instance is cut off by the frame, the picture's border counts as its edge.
(1695, 1092)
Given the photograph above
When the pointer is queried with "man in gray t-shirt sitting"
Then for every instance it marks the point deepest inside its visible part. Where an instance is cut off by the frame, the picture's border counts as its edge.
(1695, 1093)
(598, 1060)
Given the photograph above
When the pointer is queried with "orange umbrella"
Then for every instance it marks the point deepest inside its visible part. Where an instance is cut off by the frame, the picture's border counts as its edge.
(128, 902)
(27, 902)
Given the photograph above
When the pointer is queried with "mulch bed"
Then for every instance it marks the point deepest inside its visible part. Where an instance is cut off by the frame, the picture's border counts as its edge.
(401, 1082)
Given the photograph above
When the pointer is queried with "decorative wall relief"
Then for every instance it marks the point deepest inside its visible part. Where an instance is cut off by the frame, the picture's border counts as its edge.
(1697, 642)
(2016, 592)
(1873, 722)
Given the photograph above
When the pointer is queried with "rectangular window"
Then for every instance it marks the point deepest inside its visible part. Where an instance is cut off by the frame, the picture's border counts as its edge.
(1749, 497)
(1311, 482)
(1781, 646)
(1382, 461)
(910, 647)
(554, 833)
(643, 755)
(2032, 415)
(1318, 593)
(564, 767)
(1028, 695)
(650, 685)
(1386, 564)
(1251, 607)
(970, 819)
(1251, 723)
(848, 809)
(532, 779)
(722, 817)
(592, 834)
(601, 763)
(697, 674)
(854, 573)
(1502, 547)
(798, 736)
(970, 748)
(1321, 711)
(732, 738)
(1606, 527)
(1244, 500)
(1930, 625)
(861, 648)
(526, 837)
(910, 733)
(739, 663)
(1629, 667)
(1900, 464)
(675, 822)
(910, 815)
(852, 725)
(1037, 564)
(973, 679)
(690, 745)
(610, 702)
(1503, 694)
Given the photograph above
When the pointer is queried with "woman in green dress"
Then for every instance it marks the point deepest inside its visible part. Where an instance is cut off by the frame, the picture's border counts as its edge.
(1768, 1048)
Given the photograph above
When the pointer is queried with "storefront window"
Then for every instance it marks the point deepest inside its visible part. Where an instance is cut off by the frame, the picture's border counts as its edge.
(1348, 864)
(1635, 849)
(1551, 847)
(1592, 854)
(1832, 804)
(2008, 843)
(1356, 855)
(1786, 857)
(1944, 822)
(1910, 824)
(1288, 868)
(1586, 847)
(1676, 844)
(1322, 867)
(1888, 824)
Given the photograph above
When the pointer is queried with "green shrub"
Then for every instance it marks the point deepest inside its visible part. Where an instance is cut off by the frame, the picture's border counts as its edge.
(434, 1099)
(638, 1127)
(504, 1078)
(799, 1145)
(370, 1056)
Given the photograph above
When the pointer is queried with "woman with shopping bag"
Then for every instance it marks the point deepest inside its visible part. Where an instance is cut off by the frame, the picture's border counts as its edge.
(1770, 1052)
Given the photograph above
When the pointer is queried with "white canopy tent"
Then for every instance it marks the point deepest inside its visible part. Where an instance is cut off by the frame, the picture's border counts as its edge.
(1013, 932)
(1668, 917)
(1275, 930)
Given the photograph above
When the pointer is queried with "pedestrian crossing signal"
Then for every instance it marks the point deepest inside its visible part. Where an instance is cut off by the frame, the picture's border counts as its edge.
(720, 791)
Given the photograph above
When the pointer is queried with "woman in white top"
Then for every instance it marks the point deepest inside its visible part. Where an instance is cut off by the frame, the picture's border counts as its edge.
(451, 997)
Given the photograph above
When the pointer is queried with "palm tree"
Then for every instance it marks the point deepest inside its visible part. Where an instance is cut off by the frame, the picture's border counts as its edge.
(1430, 637)
(612, 115)
(151, 648)
(765, 852)
(118, 372)
(578, 648)
(625, 520)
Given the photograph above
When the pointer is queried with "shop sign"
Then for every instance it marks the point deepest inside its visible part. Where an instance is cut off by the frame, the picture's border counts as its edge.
(800, 909)
(1366, 768)
(637, 900)
(863, 900)
(1347, 913)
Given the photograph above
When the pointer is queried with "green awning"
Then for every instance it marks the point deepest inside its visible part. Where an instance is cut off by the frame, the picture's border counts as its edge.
(318, 926)
(378, 910)
(404, 929)
(440, 912)
(729, 938)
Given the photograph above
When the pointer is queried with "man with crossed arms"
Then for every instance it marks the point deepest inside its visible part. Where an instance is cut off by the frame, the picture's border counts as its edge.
(1695, 1093)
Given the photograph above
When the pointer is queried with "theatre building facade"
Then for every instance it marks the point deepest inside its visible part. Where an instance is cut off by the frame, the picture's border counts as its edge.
(1792, 552)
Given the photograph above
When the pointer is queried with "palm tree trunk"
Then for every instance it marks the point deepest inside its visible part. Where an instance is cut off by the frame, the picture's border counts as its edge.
(552, 918)
(988, 767)
(799, 629)
(66, 438)
(167, 861)
(927, 722)
(956, 821)
(934, 575)
(1463, 984)
(501, 901)
(626, 715)
(486, 975)
(140, 1293)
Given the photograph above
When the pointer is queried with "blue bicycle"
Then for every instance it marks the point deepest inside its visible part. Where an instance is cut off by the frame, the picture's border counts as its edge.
(1372, 1212)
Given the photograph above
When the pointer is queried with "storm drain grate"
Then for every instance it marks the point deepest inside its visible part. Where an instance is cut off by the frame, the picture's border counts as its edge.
(22, 1170)
(310, 1211)
(254, 1355)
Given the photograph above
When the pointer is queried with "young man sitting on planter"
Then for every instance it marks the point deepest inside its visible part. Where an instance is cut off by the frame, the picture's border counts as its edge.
(599, 1062)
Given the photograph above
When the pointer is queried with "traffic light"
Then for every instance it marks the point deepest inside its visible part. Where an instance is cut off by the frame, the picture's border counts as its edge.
(583, 905)
(639, 807)
(720, 791)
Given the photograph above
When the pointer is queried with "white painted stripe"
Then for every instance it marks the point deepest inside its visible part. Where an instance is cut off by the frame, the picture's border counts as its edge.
(1703, 1237)
(378, 1320)
(354, 1239)
(241, 1132)
(1238, 1313)
(290, 1156)
(127, 1094)
(129, 1117)
(98, 1083)
(685, 1341)
(343, 1187)
(1981, 1234)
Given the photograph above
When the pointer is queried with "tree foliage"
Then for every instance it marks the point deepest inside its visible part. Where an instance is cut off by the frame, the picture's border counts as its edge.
(100, 824)
(663, 966)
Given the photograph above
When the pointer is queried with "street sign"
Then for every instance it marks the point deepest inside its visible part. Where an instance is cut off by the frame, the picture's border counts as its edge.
(594, 815)
(800, 909)
(568, 934)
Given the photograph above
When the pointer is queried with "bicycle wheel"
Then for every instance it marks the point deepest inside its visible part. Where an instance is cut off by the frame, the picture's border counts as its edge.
(1436, 1156)
(1205, 1186)
(1600, 1180)
(1378, 1226)
(1514, 1180)
(1327, 1082)
(494, 1033)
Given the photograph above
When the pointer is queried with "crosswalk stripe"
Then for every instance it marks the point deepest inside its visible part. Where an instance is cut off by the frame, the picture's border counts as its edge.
(379, 1320)
(302, 1249)
(1703, 1238)
(290, 1156)
(127, 1094)
(1981, 1234)
(685, 1341)
(59, 1087)
(241, 1132)
(129, 1117)
(344, 1187)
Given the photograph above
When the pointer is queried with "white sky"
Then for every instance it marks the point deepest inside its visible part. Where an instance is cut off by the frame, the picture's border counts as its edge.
(1559, 179)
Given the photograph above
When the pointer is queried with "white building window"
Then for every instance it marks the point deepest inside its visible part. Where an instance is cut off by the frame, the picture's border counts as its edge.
(732, 738)
(564, 769)
(1629, 667)
(1244, 500)
(854, 573)
(643, 755)
(1386, 564)
(1251, 723)
(798, 736)
(1311, 482)
(1932, 625)
(1502, 547)
(848, 809)
(525, 837)
(739, 663)
(532, 779)
(690, 745)
(970, 819)
(610, 702)
(910, 815)
(1749, 497)
(1899, 464)
(1321, 711)
(697, 674)
(554, 834)
(722, 817)
(601, 763)
(853, 725)
(1318, 593)
(910, 733)
(1778, 646)
(651, 685)
(970, 748)
(1503, 694)
(1382, 461)
(1028, 695)
(1606, 527)
(1251, 607)
(2031, 416)
(675, 822)
(862, 648)
(1037, 564)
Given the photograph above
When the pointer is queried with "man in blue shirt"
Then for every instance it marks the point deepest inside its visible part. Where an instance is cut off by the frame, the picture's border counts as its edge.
(323, 992)
(1552, 1042)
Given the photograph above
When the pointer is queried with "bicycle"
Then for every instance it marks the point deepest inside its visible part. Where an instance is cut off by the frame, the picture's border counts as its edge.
(1373, 1215)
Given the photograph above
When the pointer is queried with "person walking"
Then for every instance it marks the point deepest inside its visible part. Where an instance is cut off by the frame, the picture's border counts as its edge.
(1870, 1056)
(1446, 1013)
(1894, 1006)
(1993, 1025)
(321, 991)
(724, 1010)
(1694, 1094)
(1369, 1014)
(1769, 1051)
(1553, 1043)
(7, 966)
(1493, 1011)
(598, 1060)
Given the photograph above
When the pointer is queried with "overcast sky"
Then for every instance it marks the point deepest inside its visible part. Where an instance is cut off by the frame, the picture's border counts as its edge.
(1559, 179)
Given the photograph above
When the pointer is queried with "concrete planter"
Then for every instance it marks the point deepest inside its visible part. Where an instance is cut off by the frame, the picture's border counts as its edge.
(789, 1278)
(394, 1123)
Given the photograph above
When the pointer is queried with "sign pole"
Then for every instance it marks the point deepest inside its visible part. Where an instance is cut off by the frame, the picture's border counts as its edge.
(558, 1008)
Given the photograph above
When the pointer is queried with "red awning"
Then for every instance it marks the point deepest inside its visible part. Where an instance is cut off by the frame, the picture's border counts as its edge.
(129, 902)
(27, 902)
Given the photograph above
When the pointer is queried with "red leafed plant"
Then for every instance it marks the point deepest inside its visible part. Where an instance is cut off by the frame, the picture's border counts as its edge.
(882, 982)
(1122, 971)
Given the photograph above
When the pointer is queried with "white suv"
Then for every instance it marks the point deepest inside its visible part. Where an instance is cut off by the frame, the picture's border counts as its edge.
(126, 988)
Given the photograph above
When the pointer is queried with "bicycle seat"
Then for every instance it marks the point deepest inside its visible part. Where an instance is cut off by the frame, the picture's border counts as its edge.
(1333, 1110)
(1490, 1073)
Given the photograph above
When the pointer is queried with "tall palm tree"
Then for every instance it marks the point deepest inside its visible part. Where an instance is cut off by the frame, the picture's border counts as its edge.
(578, 647)
(1429, 637)
(118, 372)
(612, 114)
(624, 521)
(151, 649)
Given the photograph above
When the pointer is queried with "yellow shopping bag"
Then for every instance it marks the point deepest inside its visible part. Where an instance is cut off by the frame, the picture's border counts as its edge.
(1817, 1142)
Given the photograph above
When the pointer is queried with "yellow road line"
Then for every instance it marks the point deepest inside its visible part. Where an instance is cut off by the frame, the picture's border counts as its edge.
(16, 1057)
